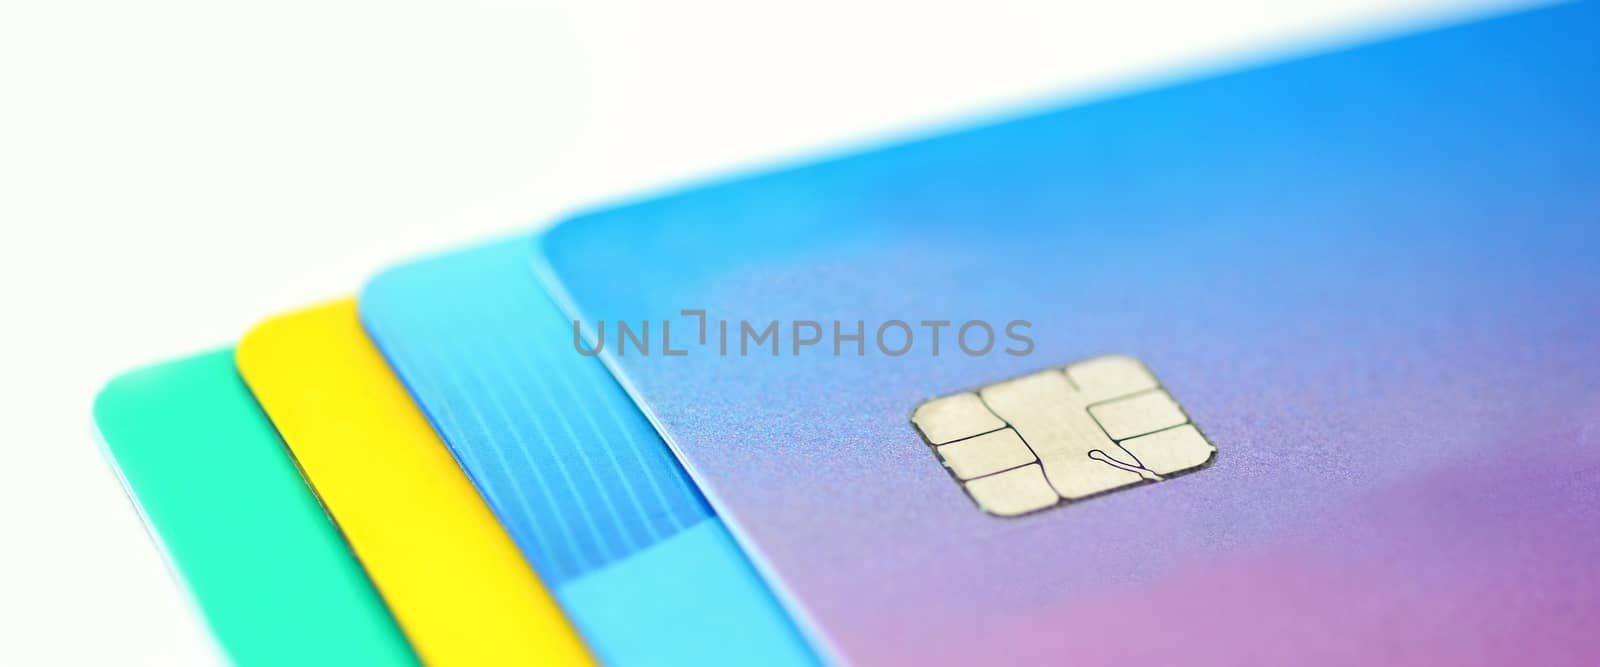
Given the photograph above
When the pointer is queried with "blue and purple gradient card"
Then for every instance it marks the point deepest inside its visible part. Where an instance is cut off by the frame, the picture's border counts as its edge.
(1291, 366)
(574, 472)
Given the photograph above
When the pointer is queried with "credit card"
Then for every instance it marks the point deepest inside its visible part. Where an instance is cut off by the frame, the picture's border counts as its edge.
(262, 562)
(450, 574)
(577, 476)
(1295, 365)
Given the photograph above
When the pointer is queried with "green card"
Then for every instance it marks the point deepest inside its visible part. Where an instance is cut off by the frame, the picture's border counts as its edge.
(267, 568)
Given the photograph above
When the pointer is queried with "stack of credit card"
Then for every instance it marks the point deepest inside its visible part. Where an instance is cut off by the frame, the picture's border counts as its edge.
(1293, 365)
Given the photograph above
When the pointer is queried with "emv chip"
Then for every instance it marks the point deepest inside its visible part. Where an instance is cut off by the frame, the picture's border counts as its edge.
(1028, 443)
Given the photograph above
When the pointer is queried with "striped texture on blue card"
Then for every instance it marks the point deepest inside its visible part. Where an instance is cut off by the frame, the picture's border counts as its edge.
(576, 473)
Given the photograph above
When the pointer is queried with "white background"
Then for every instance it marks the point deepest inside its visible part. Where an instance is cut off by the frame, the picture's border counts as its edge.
(170, 172)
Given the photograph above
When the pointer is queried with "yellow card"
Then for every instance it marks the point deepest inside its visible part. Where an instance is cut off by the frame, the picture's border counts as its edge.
(452, 577)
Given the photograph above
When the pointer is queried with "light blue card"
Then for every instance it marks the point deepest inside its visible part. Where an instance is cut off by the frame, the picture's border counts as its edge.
(577, 475)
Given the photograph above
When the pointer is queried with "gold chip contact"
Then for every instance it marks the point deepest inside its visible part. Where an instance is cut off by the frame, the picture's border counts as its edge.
(1064, 434)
